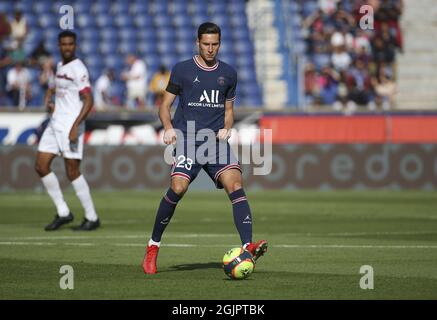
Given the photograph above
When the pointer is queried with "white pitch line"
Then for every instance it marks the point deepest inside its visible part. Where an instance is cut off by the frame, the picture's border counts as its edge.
(352, 246)
(212, 235)
(142, 236)
(187, 245)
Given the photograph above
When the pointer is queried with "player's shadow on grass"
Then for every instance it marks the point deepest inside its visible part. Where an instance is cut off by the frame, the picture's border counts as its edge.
(196, 266)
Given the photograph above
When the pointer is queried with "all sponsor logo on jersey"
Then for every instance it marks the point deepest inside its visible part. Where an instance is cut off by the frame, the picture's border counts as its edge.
(208, 99)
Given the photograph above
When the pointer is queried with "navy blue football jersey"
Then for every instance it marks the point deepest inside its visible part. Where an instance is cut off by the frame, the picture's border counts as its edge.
(202, 93)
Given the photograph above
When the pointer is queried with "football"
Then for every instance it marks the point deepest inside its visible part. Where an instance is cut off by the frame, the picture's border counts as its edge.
(238, 263)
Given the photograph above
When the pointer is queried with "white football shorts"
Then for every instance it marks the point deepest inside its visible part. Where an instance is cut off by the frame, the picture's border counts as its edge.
(55, 141)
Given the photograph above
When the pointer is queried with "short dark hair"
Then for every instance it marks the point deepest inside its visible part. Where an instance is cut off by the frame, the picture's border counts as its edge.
(66, 33)
(208, 28)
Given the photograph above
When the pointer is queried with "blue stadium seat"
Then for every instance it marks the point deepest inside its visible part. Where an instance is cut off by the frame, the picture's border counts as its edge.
(95, 72)
(243, 47)
(139, 7)
(245, 61)
(236, 7)
(246, 74)
(24, 6)
(94, 60)
(123, 20)
(241, 33)
(165, 46)
(28, 47)
(184, 48)
(181, 21)
(47, 21)
(126, 47)
(119, 8)
(146, 47)
(114, 62)
(99, 8)
(178, 8)
(221, 20)
(152, 60)
(39, 7)
(34, 35)
(103, 20)
(80, 7)
(251, 101)
(199, 18)
(86, 20)
(300, 47)
(127, 34)
(197, 7)
(309, 7)
(185, 34)
(169, 61)
(158, 8)
(216, 8)
(88, 47)
(143, 20)
(89, 34)
(185, 56)
(238, 21)
(320, 60)
(166, 34)
(161, 21)
(108, 34)
(147, 35)
(108, 47)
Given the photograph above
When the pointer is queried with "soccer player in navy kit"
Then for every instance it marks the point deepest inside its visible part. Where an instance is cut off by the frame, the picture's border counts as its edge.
(207, 90)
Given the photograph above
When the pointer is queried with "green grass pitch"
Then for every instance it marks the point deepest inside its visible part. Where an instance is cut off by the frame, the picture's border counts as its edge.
(317, 243)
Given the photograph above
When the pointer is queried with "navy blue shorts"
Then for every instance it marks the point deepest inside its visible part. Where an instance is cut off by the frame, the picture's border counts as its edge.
(215, 158)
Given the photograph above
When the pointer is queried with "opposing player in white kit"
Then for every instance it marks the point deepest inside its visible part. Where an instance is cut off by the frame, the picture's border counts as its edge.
(65, 133)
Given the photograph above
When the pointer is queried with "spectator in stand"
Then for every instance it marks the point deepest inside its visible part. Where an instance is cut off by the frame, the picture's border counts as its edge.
(18, 84)
(158, 84)
(359, 84)
(103, 98)
(328, 83)
(382, 52)
(340, 58)
(19, 28)
(312, 89)
(385, 91)
(328, 6)
(39, 55)
(136, 82)
(5, 27)
(47, 77)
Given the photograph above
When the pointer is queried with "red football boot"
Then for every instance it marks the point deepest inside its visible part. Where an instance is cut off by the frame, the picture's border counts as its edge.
(257, 249)
(149, 262)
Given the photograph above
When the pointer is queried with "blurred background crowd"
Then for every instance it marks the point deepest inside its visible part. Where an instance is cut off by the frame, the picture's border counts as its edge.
(349, 66)
(130, 47)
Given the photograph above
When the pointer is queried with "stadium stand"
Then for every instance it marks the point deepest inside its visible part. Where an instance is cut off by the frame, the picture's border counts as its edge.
(346, 66)
(159, 31)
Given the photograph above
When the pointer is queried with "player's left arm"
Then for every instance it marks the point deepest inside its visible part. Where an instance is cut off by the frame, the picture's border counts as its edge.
(225, 133)
(88, 102)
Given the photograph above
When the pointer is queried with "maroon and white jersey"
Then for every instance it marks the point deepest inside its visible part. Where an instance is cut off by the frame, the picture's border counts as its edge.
(72, 79)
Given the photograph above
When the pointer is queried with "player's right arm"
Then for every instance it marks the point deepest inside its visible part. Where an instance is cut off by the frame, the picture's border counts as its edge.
(173, 89)
(165, 116)
(48, 100)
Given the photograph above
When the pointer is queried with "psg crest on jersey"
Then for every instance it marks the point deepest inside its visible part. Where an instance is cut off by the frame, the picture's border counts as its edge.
(221, 81)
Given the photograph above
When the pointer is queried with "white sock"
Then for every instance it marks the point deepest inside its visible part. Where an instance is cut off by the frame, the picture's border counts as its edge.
(153, 243)
(51, 183)
(83, 193)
